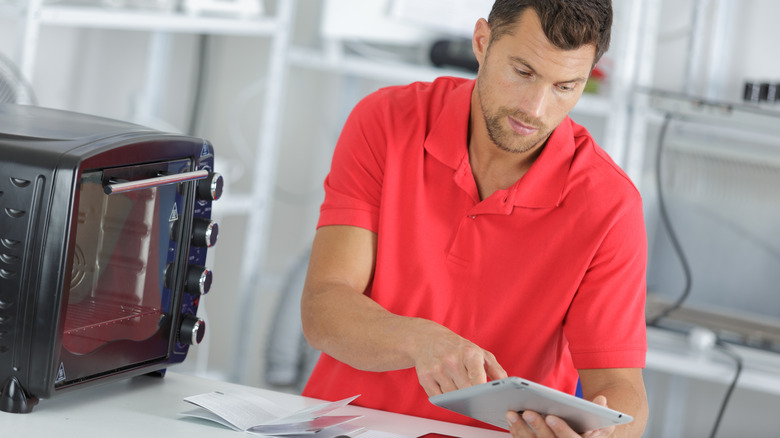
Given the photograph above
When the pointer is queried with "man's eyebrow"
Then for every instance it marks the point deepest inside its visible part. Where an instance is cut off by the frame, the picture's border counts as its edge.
(519, 60)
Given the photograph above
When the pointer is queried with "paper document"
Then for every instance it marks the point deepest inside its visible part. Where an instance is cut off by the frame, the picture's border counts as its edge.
(251, 413)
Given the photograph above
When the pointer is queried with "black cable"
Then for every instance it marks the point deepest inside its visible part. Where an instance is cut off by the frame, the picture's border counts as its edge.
(687, 273)
(668, 225)
(738, 360)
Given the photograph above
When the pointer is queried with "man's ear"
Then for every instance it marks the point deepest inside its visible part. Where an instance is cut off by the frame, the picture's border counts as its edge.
(480, 40)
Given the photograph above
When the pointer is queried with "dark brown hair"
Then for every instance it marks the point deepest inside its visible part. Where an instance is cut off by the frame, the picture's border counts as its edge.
(568, 24)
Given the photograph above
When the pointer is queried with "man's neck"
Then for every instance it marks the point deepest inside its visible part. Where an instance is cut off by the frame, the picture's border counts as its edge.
(495, 169)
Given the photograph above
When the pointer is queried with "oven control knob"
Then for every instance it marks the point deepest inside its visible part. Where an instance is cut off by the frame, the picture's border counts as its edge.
(168, 276)
(191, 330)
(210, 188)
(204, 233)
(198, 280)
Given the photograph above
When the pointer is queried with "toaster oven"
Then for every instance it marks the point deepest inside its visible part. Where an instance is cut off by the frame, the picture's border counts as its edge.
(104, 232)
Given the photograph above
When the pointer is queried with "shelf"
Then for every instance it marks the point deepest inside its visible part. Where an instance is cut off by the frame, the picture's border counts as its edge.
(717, 113)
(673, 353)
(141, 20)
(394, 72)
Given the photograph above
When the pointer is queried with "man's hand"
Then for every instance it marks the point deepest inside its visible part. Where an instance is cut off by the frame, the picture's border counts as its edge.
(531, 424)
(445, 361)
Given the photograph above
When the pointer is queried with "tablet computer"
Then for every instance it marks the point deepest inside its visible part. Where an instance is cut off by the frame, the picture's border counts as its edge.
(489, 402)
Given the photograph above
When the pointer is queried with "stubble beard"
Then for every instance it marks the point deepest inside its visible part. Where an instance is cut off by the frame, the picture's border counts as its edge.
(504, 137)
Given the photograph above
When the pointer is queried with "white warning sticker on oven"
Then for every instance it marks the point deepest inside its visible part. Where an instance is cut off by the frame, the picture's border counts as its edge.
(174, 213)
(60, 373)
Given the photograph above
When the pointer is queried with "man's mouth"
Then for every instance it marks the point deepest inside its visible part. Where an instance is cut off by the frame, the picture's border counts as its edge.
(521, 128)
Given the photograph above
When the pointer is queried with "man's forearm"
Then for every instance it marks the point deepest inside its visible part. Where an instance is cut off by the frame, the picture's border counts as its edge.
(353, 329)
(337, 317)
(625, 392)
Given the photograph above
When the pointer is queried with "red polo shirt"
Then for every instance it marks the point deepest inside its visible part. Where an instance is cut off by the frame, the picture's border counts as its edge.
(549, 275)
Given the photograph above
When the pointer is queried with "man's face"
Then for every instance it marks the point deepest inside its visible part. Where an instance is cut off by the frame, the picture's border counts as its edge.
(527, 86)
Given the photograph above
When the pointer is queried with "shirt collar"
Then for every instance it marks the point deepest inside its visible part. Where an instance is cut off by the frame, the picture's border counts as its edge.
(541, 187)
(447, 139)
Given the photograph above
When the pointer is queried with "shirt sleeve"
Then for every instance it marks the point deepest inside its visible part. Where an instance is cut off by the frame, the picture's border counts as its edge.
(353, 187)
(605, 324)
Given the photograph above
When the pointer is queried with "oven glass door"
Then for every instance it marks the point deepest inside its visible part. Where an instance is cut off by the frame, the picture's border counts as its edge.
(118, 291)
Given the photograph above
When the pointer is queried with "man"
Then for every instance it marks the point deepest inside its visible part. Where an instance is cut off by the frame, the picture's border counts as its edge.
(471, 231)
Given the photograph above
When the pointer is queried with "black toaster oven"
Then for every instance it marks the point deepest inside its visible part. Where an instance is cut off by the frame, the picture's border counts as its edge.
(104, 230)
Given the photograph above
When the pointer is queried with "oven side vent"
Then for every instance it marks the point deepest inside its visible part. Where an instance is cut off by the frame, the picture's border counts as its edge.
(20, 197)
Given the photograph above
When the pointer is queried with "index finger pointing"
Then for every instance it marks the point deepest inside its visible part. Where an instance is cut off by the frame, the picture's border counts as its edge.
(493, 369)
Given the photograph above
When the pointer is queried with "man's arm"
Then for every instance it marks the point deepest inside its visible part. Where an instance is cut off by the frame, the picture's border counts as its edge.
(347, 325)
(622, 389)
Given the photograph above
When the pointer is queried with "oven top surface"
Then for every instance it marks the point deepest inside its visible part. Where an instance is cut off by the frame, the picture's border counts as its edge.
(45, 123)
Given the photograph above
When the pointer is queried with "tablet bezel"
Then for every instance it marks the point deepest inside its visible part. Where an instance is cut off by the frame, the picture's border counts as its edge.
(489, 403)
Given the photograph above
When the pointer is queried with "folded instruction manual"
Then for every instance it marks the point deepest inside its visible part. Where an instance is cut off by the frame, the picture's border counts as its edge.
(248, 412)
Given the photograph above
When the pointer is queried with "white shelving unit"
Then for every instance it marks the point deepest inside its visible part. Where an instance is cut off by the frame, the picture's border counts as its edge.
(39, 14)
(688, 381)
(255, 205)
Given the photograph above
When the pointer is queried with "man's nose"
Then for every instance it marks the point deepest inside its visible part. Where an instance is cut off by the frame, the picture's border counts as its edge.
(534, 99)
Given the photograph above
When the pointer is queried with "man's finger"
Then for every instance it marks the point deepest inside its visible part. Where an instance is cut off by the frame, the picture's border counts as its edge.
(429, 384)
(447, 384)
(560, 428)
(536, 422)
(600, 400)
(517, 426)
(474, 363)
(493, 369)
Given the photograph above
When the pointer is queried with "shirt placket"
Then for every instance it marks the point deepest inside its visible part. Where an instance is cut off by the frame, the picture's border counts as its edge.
(467, 240)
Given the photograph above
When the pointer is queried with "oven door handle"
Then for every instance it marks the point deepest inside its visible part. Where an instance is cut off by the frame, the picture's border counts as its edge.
(123, 187)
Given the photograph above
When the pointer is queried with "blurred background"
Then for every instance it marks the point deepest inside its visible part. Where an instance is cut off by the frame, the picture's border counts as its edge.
(686, 101)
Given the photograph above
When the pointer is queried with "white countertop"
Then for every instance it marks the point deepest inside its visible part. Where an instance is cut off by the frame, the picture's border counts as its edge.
(149, 407)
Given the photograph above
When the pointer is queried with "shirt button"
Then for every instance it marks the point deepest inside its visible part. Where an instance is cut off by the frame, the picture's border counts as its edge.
(473, 217)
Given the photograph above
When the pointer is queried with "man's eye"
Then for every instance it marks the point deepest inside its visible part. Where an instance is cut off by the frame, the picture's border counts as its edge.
(567, 87)
(524, 73)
